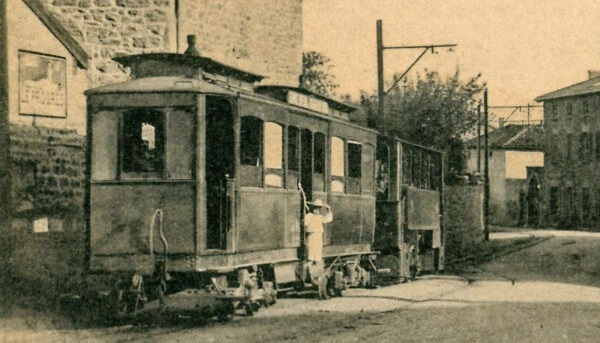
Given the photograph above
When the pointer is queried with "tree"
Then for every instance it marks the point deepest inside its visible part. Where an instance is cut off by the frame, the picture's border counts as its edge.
(316, 74)
(432, 112)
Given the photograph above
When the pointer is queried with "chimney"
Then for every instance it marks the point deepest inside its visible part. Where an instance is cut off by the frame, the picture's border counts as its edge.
(191, 50)
(500, 122)
(592, 74)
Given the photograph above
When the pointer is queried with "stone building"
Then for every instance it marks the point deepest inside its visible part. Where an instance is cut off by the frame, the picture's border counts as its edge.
(53, 50)
(572, 156)
(67, 46)
(512, 149)
(261, 36)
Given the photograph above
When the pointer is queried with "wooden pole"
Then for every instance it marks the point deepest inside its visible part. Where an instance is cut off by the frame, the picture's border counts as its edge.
(486, 174)
(479, 139)
(380, 92)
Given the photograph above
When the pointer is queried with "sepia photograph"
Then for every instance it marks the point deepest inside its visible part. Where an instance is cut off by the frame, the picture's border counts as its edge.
(299, 171)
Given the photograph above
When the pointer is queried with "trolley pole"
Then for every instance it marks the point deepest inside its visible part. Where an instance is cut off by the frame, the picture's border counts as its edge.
(486, 172)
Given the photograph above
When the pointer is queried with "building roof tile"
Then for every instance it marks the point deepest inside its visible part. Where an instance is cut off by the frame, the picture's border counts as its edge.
(586, 87)
(513, 137)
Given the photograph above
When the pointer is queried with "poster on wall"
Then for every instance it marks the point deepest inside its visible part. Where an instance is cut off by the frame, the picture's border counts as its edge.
(42, 85)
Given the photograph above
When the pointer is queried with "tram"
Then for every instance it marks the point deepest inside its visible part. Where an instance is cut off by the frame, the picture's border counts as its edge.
(198, 182)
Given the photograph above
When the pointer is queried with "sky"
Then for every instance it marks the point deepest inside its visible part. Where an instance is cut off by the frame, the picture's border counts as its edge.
(522, 48)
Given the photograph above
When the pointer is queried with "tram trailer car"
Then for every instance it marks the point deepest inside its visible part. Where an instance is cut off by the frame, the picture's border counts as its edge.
(197, 183)
(409, 231)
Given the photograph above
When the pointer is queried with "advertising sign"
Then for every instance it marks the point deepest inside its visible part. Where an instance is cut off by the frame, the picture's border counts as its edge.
(42, 85)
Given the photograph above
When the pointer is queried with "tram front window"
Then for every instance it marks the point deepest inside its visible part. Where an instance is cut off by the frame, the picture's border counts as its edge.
(143, 143)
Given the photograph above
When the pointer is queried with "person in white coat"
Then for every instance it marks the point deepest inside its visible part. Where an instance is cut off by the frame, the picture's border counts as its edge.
(319, 214)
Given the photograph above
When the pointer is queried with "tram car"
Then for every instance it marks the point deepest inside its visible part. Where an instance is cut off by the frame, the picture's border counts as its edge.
(409, 231)
(198, 183)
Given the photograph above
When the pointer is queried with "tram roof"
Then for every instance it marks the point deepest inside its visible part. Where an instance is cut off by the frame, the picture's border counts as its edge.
(206, 64)
(162, 84)
(338, 105)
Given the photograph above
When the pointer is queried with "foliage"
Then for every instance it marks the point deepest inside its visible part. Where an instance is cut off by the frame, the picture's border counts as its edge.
(432, 111)
(316, 73)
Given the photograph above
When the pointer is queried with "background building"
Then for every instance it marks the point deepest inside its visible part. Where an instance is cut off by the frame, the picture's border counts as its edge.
(572, 173)
(512, 150)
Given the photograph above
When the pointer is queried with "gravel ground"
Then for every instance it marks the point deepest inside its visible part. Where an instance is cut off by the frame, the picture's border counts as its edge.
(546, 293)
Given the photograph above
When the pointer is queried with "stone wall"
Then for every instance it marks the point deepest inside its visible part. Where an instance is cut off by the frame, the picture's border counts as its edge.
(260, 36)
(106, 28)
(463, 218)
(48, 167)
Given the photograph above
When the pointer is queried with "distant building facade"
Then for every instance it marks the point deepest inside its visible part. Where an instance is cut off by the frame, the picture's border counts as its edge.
(572, 156)
(512, 150)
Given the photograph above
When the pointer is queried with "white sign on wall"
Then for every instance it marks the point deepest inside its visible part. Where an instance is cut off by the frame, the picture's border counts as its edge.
(42, 85)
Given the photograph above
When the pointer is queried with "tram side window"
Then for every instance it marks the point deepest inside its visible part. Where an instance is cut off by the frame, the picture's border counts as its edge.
(406, 165)
(354, 167)
(273, 156)
(337, 164)
(382, 169)
(319, 155)
(416, 169)
(293, 148)
(319, 162)
(251, 140)
(426, 171)
(251, 136)
(143, 143)
(434, 172)
(293, 157)
(368, 169)
(105, 126)
(181, 145)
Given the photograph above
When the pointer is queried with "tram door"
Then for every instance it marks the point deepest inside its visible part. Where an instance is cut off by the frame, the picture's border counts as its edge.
(219, 168)
(306, 158)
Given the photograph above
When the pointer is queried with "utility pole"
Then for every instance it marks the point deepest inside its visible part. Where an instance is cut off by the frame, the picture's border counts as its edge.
(381, 93)
(486, 172)
(479, 139)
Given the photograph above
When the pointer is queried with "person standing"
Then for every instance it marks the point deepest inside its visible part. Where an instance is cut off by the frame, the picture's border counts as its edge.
(319, 214)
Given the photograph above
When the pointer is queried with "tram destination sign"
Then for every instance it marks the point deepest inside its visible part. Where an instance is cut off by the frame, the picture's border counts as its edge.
(42, 85)
(309, 102)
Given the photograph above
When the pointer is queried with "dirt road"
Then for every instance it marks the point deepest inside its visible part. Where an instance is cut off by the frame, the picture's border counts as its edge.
(540, 294)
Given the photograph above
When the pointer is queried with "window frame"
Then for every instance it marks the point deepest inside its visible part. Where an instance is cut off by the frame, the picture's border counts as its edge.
(353, 180)
(122, 174)
(268, 170)
(337, 179)
(250, 174)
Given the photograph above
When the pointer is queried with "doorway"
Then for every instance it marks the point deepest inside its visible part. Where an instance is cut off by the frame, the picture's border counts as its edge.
(219, 157)
(306, 158)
